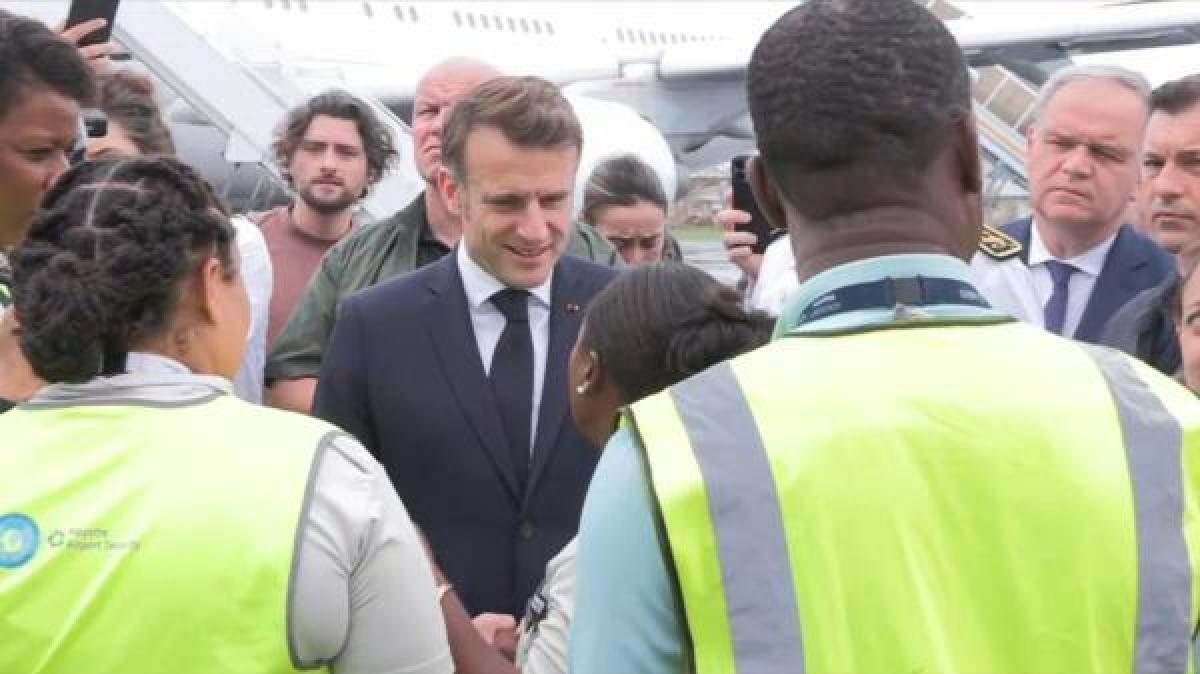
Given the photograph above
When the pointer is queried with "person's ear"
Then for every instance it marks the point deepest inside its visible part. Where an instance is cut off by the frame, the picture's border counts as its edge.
(450, 190)
(593, 374)
(770, 202)
(211, 292)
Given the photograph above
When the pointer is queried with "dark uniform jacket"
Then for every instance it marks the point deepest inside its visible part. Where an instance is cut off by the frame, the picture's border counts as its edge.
(1145, 328)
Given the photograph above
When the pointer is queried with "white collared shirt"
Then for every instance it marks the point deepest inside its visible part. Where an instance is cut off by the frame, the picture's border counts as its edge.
(1079, 288)
(488, 323)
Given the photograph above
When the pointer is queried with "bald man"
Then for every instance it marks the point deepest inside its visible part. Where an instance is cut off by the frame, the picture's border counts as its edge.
(419, 234)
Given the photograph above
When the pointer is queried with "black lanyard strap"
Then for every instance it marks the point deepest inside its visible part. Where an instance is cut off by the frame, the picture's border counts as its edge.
(909, 291)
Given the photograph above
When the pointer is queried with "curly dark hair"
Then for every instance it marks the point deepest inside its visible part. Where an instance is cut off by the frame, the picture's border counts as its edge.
(658, 324)
(862, 89)
(102, 268)
(128, 99)
(33, 57)
(377, 141)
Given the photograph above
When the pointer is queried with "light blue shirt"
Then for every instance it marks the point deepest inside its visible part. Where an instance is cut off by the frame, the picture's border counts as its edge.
(626, 617)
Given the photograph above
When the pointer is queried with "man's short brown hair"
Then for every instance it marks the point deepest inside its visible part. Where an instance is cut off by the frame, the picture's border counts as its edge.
(530, 111)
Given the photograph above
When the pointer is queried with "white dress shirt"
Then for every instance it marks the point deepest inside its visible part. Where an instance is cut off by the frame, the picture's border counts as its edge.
(1079, 288)
(488, 323)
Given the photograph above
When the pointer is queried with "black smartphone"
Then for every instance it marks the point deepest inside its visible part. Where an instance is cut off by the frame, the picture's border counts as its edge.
(743, 200)
(86, 10)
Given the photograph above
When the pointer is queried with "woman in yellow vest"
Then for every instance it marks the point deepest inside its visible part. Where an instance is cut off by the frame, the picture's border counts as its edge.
(149, 520)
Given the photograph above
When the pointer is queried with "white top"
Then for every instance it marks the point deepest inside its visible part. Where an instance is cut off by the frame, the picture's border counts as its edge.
(488, 323)
(776, 278)
(1007, 285)
(258, 277)
(545, 632)
(363, 598)
(1079, 288)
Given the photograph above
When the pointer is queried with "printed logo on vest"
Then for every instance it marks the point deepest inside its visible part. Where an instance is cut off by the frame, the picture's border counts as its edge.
(19, 538)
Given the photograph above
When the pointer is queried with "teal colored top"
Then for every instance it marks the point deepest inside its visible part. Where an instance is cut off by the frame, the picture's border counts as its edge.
(626, 618)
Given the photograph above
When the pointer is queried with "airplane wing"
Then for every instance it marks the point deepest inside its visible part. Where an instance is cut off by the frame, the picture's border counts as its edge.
(988, 42)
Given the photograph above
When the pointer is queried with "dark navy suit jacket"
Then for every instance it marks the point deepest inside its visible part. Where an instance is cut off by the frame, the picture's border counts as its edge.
(1134, 263)
(404, 375)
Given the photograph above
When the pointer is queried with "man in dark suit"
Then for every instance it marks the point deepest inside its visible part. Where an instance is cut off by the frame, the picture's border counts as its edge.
(455, 375)
(1083, 159)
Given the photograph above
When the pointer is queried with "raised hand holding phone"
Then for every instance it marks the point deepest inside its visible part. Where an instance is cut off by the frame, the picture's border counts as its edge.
(89, 26)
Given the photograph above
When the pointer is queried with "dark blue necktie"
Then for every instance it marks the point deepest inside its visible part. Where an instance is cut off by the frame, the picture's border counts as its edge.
(1055, 312)
(511, 376)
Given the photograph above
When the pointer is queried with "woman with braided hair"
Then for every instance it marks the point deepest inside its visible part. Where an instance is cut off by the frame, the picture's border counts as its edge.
(146, 501)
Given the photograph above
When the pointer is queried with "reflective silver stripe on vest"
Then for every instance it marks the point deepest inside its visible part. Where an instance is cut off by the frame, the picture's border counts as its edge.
(744, 507)
(1153, 450)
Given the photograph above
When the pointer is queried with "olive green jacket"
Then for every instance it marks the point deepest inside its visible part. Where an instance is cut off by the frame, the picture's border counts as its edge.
(372, 254)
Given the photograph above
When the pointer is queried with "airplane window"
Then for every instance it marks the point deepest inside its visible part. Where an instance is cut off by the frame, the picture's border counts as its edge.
(457, 18)
(524, 26)
(412, 14)
(512, 25)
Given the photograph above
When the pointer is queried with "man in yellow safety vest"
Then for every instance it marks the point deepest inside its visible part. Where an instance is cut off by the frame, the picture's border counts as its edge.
(904, 480)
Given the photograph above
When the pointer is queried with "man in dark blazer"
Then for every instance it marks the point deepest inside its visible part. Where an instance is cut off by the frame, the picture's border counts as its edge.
(1133, 264)
(1083, 157)
(454, 376)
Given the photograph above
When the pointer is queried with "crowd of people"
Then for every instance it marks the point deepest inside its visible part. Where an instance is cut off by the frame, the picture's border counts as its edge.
(484, 435)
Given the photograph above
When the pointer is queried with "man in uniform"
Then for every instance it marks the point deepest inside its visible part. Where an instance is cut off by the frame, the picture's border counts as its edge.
(421, 233)
(904, 480)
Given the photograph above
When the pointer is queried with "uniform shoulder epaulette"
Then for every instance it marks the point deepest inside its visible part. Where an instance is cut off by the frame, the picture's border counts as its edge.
(997, 244)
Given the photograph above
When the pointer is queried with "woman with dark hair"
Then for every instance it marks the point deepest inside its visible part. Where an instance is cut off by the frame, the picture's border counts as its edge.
(652, 327)
(43, 82)
(624, 201)
(208, 533)
(1185, 302)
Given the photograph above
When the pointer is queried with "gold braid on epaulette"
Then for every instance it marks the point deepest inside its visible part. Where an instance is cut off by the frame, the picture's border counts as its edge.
(998, 245)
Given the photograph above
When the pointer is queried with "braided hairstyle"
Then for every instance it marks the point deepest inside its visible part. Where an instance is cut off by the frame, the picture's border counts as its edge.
(103, 266)
(660, 323)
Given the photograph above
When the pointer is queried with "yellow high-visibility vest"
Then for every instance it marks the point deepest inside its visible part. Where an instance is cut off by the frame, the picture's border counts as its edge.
(137, 538)
(946, 498)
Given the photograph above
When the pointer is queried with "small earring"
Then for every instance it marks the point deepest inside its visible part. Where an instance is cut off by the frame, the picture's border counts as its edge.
(581, 389)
